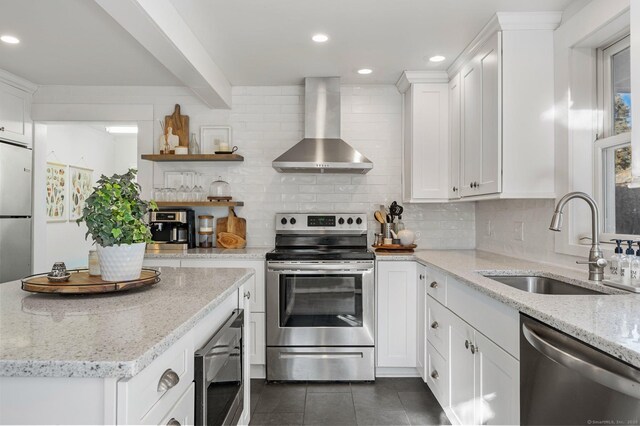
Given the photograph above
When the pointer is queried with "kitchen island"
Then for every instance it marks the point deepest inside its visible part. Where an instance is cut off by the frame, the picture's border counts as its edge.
(82, 359)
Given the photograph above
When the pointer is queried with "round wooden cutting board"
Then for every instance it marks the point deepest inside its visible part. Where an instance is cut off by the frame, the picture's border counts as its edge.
(81, 282)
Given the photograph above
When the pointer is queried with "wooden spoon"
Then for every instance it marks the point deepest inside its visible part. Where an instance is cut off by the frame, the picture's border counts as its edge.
(379, 216)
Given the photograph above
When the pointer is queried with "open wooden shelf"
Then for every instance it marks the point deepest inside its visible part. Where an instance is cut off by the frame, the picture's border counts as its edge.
(193, 157)
(200, 203)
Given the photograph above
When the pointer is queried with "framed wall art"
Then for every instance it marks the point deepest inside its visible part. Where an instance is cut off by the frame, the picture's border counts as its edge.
(215, 139)
(81, 186)
(57, 188)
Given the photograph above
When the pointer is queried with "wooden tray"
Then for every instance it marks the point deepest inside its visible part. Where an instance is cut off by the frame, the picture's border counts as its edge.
(81, 282)
(397, 248)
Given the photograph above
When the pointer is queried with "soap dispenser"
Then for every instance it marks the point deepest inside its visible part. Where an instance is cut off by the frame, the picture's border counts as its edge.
(625, 264)
(614, 262)
(635, 268)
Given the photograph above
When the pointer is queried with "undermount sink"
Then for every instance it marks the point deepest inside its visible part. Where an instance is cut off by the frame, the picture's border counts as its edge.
(542, 285)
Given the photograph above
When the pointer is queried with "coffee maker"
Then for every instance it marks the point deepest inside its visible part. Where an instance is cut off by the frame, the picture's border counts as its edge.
(173, 230)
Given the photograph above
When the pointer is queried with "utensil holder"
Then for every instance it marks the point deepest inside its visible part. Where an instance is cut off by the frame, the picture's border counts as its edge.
(386, 230)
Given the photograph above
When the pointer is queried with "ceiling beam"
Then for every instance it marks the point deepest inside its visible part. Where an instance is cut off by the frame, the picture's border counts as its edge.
(159, 28)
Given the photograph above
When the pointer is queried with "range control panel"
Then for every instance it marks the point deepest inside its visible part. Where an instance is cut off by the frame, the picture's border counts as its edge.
(321, 222)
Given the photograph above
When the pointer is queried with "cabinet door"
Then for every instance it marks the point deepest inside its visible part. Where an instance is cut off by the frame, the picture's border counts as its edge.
(471, 107)
(396, 314)
(421, 361)
(257, 335)
(454, 137)
(497, 384)
(488, 62)
(461, 371)
(15, 124)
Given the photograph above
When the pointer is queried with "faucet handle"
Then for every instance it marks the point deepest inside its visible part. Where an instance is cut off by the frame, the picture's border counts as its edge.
(601, 262)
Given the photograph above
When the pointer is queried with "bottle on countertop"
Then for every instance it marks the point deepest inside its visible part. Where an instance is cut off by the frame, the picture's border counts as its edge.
(625, 264)
(614, 262)
(635, 268)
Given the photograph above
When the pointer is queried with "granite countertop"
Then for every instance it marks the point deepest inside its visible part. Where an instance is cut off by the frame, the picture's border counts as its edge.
(108, 335)
(251, 253)
(608, 322)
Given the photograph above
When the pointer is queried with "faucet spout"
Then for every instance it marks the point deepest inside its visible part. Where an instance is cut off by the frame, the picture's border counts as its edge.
(597, 262)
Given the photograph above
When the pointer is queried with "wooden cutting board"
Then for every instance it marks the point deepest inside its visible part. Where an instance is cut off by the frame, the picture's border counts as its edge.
(231, 227)
(180, 125)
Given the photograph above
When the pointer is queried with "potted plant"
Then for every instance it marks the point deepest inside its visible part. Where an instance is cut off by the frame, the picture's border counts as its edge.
(114, 214)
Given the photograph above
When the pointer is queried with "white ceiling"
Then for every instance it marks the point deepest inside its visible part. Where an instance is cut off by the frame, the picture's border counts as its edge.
(254, 42)
(74, 42)
(268, 42)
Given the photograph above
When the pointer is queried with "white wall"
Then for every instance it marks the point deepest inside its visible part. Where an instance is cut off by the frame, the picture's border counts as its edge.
(84, 146)
(267, 121)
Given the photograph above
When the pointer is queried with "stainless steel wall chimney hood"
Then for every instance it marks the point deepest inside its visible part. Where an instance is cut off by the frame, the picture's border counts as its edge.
(322, 150)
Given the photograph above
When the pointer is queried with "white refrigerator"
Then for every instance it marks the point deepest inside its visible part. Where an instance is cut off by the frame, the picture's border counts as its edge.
(15, 211)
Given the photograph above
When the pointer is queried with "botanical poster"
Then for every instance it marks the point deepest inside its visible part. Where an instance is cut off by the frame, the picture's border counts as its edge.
(56, 192)
(81, 187)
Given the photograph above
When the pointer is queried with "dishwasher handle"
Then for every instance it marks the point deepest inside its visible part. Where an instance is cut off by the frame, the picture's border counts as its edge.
(588, 362)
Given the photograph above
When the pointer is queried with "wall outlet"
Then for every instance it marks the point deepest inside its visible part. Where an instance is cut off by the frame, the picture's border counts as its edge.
(518, 231)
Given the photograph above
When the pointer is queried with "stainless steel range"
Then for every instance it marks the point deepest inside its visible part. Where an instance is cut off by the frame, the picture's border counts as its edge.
(320, 299)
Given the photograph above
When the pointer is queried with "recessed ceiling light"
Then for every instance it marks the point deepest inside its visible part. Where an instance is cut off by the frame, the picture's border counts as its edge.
(122, 130)
(320, 38)
(10, 39)
(437, 58)
(365, 71)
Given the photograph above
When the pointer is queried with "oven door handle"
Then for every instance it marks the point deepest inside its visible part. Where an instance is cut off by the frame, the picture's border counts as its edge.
(315, 267)
(320, 355)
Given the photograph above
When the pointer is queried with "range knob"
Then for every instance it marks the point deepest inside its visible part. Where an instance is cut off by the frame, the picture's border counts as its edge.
(350, 221)
(283, 221)
(341, 221)
(359, 221)
(292, 221)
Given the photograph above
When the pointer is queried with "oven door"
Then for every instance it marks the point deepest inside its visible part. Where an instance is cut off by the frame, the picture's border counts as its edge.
(320, 303)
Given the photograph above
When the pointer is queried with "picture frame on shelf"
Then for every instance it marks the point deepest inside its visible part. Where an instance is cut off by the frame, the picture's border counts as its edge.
(80, 187)
(213, 138)
(57, 186)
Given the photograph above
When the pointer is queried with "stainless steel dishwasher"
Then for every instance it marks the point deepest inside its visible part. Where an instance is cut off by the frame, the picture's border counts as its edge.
(564, 381)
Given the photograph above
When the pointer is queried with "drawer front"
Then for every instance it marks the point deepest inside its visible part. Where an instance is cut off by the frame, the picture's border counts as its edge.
(183, 412)
(497, 321)
(438, 375)
(437, 285)
(140, 401)
(438, 324)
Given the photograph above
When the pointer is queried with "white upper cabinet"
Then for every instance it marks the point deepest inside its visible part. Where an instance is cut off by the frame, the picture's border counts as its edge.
(454, 137)
(425, 136)
(15, 109)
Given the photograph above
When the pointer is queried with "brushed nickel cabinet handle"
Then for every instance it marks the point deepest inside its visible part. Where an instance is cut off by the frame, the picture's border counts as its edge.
(421, 277)
(435, 375)
(474, 349)
(168, 380)
(434, 284)
(173, 422)
(466, 344)
(435, 325)
(2, 129)
(247, 294)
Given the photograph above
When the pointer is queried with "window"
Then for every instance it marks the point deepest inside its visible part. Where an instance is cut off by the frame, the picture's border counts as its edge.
(621, 204)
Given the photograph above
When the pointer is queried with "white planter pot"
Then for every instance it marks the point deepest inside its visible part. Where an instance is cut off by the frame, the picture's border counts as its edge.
(121, 263)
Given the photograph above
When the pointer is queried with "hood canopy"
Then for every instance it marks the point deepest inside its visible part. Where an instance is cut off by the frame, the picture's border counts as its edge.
(322, 150)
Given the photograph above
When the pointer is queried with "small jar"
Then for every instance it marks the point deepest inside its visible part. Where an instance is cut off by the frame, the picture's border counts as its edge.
(94, 263)
(206, 223)
(206, 240)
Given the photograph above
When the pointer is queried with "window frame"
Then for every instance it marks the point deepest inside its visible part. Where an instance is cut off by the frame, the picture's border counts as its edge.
(606, 138)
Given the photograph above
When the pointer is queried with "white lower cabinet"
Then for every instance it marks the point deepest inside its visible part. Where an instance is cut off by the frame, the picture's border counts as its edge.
(182, 413)
(396, 300)
(473, 377)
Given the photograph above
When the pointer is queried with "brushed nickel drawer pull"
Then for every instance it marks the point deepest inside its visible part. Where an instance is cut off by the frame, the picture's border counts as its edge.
(168, 380)
(435, 325)
(435, 375)
(434, 284)
(247, 294)
(173, 422)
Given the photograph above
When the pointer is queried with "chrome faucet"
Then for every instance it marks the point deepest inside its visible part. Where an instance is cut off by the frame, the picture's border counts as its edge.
(596, 262)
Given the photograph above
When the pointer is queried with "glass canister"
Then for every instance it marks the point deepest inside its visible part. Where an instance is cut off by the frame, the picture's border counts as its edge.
(206, 239)
(219, 190)
(206, 223)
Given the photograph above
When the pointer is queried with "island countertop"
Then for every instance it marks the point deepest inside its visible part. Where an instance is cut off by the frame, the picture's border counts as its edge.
(108, 335)
(609, 322)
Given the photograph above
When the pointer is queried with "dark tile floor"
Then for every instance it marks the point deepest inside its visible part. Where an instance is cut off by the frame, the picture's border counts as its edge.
(388, 401)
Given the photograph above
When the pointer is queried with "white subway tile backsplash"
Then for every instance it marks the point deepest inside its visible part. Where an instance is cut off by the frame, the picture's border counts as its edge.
(267, 121)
